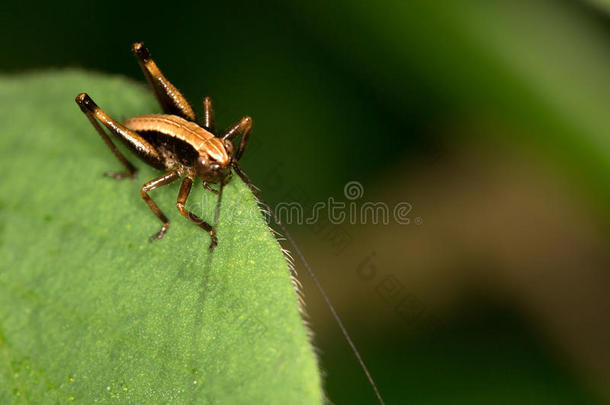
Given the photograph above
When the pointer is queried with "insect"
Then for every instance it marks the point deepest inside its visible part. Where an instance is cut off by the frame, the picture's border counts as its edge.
(173, 142)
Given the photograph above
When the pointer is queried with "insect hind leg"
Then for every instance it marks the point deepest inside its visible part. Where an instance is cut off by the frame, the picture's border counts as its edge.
(170, 98)
(132, 139)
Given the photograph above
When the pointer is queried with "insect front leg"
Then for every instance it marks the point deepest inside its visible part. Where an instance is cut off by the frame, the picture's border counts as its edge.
(243, 128)
(132, 139)
(170, 98)
(185, 190)
(151, 185)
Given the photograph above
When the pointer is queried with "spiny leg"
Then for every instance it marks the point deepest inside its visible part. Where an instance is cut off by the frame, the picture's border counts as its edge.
(132, 139)
(243, 127)
(167, 178)
(185, 190)
(170, 98)
(208, 114)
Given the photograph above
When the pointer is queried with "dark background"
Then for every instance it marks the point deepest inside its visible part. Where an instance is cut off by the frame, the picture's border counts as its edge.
(489, 118)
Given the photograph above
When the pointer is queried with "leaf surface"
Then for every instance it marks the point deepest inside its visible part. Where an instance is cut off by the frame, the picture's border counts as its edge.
(90, 311)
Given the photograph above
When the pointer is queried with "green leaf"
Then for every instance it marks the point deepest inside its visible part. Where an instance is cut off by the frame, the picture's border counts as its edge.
(90, 311)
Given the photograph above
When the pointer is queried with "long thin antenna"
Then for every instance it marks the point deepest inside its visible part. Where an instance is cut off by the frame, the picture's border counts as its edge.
(218, 202)
(330, 305)
(246, 179)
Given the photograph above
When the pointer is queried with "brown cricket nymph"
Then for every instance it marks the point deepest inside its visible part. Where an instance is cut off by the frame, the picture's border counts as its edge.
(173, 142)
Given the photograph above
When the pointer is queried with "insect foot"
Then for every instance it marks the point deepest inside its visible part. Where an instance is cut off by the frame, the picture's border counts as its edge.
(213, 242)
(159, 234)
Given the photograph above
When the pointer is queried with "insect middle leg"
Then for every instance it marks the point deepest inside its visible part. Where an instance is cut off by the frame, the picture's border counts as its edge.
(132, 139)
(185, 190)
(208, 114)
(151, 185)
(170, 98)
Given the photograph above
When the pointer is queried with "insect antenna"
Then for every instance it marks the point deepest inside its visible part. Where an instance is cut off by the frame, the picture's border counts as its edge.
(218, 203)
(307, 266)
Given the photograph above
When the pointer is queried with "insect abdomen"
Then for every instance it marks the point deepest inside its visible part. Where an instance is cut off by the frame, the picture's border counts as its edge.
(170, 126)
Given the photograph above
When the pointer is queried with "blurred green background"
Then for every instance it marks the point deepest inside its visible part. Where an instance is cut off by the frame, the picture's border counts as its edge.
(489, 117)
